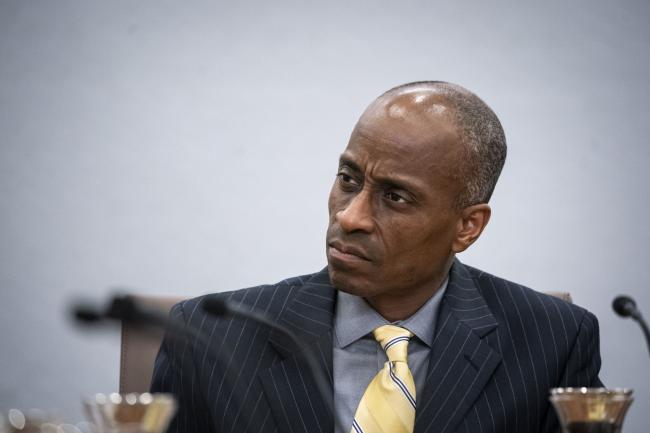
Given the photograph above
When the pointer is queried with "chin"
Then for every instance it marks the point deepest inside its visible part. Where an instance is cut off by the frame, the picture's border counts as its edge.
(347, 282)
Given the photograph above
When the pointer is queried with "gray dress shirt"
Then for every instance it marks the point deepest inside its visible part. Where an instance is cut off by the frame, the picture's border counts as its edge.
(358, 357)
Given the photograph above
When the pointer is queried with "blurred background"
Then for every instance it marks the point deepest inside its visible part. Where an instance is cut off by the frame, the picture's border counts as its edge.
(189, 147)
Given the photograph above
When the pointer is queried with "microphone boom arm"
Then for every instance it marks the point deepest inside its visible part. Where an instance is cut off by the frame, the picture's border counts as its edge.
(218, 307)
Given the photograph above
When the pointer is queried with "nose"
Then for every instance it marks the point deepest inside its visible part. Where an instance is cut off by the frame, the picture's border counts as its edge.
(356, 214)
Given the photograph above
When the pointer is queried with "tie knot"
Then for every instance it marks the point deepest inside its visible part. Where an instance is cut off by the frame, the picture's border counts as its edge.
(394, 340)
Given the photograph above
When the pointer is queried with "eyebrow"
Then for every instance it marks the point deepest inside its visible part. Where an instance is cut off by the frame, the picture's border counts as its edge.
(390, 182)
(347, 161)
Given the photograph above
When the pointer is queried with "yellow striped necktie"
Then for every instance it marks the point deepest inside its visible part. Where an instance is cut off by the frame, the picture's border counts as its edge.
(388, 404)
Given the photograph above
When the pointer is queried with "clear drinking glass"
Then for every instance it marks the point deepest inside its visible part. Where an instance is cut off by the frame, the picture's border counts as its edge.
(130, 413)
(37, 421)
(591, 410)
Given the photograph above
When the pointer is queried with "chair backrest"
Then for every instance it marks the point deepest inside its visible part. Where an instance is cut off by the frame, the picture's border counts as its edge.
(139, 347)
(565, 296)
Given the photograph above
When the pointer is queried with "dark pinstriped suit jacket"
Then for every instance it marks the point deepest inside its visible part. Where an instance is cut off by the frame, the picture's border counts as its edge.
(498, 349)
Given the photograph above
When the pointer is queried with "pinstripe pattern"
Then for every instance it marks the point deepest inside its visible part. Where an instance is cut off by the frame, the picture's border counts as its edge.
(498, 348)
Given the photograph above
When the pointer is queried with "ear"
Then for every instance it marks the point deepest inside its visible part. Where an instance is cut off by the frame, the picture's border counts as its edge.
(473, 220)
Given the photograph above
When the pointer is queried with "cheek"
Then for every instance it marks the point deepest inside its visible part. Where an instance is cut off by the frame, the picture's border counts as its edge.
(337, 200)
(332, 200)
(418, 244)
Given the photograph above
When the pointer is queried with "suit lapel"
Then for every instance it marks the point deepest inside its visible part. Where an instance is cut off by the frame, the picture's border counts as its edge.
(461, 362)
(291, 391)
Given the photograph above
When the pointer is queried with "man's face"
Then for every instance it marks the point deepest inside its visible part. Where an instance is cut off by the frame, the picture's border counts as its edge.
(392, 220)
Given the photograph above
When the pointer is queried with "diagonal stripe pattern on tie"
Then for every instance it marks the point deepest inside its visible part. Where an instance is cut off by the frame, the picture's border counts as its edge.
(388, 404)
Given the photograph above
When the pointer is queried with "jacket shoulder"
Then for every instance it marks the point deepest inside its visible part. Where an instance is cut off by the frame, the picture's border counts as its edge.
(507, 298)
(269, 298)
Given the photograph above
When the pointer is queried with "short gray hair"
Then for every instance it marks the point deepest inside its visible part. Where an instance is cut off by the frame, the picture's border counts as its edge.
(483, 137)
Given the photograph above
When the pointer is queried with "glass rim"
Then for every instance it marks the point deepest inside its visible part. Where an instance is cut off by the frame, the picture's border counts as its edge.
(128, 398)
(591, 391)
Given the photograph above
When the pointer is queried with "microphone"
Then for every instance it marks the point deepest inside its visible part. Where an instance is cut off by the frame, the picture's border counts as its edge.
(121, 307)
(625, 306)
(127, 309)
(218, 307)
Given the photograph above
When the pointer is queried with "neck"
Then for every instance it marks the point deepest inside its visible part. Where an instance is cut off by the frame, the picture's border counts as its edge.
(400, 306)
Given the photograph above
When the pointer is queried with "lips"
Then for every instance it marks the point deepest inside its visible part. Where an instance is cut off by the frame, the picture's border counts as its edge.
(347, 253)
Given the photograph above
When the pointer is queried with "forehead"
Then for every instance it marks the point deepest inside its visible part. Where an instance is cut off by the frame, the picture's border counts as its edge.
(430, 177)
(404, 139)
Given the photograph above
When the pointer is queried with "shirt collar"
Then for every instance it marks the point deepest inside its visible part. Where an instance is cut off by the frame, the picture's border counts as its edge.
(355, 318)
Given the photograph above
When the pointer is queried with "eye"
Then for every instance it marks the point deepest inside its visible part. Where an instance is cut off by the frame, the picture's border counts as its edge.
(395, 197)
(346, 179)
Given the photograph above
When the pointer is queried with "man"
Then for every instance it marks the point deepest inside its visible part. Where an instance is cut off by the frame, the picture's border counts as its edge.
(476, 353)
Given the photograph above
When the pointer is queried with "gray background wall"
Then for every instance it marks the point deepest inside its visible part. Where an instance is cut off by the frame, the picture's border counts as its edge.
(187, 147)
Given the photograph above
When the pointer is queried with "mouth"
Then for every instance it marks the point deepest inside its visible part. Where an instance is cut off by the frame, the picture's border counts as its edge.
(346, 253)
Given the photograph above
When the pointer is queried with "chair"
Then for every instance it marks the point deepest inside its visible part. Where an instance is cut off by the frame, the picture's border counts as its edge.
(139, 347)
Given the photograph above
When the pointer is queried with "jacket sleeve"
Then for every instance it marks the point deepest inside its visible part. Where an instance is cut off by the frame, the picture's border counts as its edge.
(175, 373)
(582, 365)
